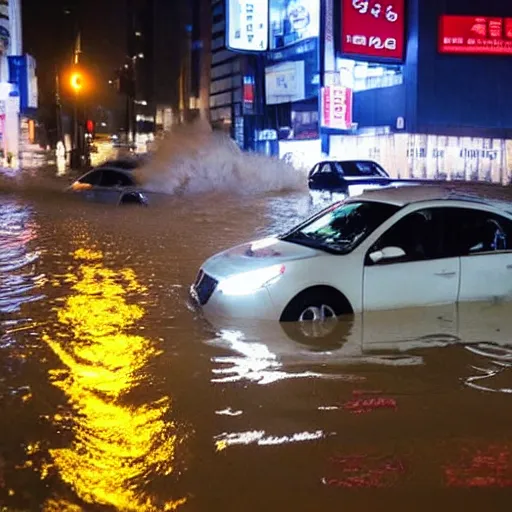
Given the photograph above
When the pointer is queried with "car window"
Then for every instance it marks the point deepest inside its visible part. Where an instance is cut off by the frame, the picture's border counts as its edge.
(91, 178)
(342, 228)
(361, 169)
(325, 168)
(122, 164)
(115, 179)
(476, 231)
(420, 235)
(379, 170)
(315, 170)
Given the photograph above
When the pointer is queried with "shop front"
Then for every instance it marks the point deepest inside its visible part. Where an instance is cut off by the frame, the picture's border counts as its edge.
(420, 87)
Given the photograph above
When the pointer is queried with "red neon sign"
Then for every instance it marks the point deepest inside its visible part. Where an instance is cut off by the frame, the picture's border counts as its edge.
(373, 28)
(475, 35)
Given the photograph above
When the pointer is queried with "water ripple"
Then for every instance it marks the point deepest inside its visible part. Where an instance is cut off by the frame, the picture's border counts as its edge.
(496, 364)
(18, 277)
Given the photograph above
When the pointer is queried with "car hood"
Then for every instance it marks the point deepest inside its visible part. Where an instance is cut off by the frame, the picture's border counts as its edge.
(255, 255)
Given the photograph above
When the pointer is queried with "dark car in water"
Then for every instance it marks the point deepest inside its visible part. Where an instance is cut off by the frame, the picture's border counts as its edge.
(337, 179)
(339, 176)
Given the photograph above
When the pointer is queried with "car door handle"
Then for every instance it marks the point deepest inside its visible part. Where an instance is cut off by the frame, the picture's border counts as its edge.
(446, 274)
(509, 267)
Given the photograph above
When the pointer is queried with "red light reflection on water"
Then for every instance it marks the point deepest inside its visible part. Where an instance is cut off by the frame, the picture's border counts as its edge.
(489, 467)
(363, 471)
(366, 401)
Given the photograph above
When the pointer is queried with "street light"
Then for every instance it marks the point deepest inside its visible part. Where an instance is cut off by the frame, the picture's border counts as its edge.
(76, 82)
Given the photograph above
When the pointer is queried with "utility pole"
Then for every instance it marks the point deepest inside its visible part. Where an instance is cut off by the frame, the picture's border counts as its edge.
(205, 9)
(76, 84)
(130, 72)
(58, 105)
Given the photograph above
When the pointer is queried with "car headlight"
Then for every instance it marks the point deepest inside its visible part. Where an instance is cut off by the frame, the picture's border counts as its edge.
(249, 282)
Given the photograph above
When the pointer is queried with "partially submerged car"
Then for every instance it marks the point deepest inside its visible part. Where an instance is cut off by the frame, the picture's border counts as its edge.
(386, 249)
(111, 185)
(336, 179)
(343, 175)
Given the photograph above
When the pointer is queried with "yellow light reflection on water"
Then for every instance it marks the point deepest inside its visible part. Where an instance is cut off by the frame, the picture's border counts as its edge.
(117, 446)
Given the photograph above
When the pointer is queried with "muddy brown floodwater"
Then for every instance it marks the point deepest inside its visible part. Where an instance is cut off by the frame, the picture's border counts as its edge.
(117, 395)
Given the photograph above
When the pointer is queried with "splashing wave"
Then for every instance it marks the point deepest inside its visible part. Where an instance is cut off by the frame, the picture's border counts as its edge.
(194, 159)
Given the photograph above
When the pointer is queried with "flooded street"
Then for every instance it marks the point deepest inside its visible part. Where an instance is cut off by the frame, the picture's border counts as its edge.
(118, 395)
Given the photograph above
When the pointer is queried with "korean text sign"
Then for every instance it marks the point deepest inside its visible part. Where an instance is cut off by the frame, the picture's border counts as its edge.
(475, 35)
(373, 28)
(247, 25)
(337, 107)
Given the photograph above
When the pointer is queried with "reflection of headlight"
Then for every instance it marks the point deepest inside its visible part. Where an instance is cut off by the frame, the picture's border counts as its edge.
(249, 282)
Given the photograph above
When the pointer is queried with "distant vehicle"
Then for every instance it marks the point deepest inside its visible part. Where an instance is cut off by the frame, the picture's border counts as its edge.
(111, 185)
(336, 180)
(386, 249)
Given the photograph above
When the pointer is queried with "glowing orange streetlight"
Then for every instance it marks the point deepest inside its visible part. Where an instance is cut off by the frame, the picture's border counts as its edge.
(76, 82)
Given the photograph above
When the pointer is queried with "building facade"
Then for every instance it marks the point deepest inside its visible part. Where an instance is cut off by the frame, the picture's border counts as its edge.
(18, 85)
(227, 86)
(420, 86)
(439, 106)
(148, 78)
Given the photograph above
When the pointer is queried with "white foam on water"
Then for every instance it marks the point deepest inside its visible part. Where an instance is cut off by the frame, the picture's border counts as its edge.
(195, 159)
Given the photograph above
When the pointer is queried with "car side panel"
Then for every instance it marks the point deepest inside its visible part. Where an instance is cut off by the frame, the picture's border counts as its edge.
(411, 284)
(342, 272)
(486, 277)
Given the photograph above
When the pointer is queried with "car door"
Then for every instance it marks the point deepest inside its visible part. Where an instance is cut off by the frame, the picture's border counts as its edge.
(113, 184)
(425, 274)
(88, 184)
(483, 240)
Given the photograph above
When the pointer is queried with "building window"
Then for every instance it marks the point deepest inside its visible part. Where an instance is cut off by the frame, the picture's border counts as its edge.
(225, 69)
(363, 76)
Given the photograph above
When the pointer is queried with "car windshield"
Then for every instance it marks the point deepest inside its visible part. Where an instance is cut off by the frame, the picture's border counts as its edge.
(360, 169)
(342, 227)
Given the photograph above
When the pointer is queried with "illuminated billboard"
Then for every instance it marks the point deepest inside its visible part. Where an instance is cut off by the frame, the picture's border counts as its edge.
(293, 21)
(337, 107)
(373, 28)
(247, 25)
(22, 74)
(475, 35)
(285, 82)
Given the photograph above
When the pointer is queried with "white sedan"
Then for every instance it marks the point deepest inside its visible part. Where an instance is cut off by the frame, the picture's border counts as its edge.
(386, 249)
(114, 185)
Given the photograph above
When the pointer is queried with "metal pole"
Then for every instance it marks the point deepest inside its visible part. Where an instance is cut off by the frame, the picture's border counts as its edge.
(75, 123)
(58, 106)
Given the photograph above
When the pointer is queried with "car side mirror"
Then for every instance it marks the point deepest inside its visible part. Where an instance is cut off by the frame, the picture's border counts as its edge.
(388, 253)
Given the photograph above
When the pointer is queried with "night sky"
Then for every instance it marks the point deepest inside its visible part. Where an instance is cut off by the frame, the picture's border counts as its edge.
(47, 33)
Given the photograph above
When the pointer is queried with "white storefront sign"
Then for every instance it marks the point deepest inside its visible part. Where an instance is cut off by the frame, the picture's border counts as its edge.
(285, 82)
(247, 25)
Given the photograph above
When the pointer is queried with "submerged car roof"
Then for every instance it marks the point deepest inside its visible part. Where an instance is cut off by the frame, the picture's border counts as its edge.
(494, 195)
(125, 164)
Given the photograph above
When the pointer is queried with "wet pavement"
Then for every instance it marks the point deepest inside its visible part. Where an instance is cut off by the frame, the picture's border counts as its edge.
(118, 395)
